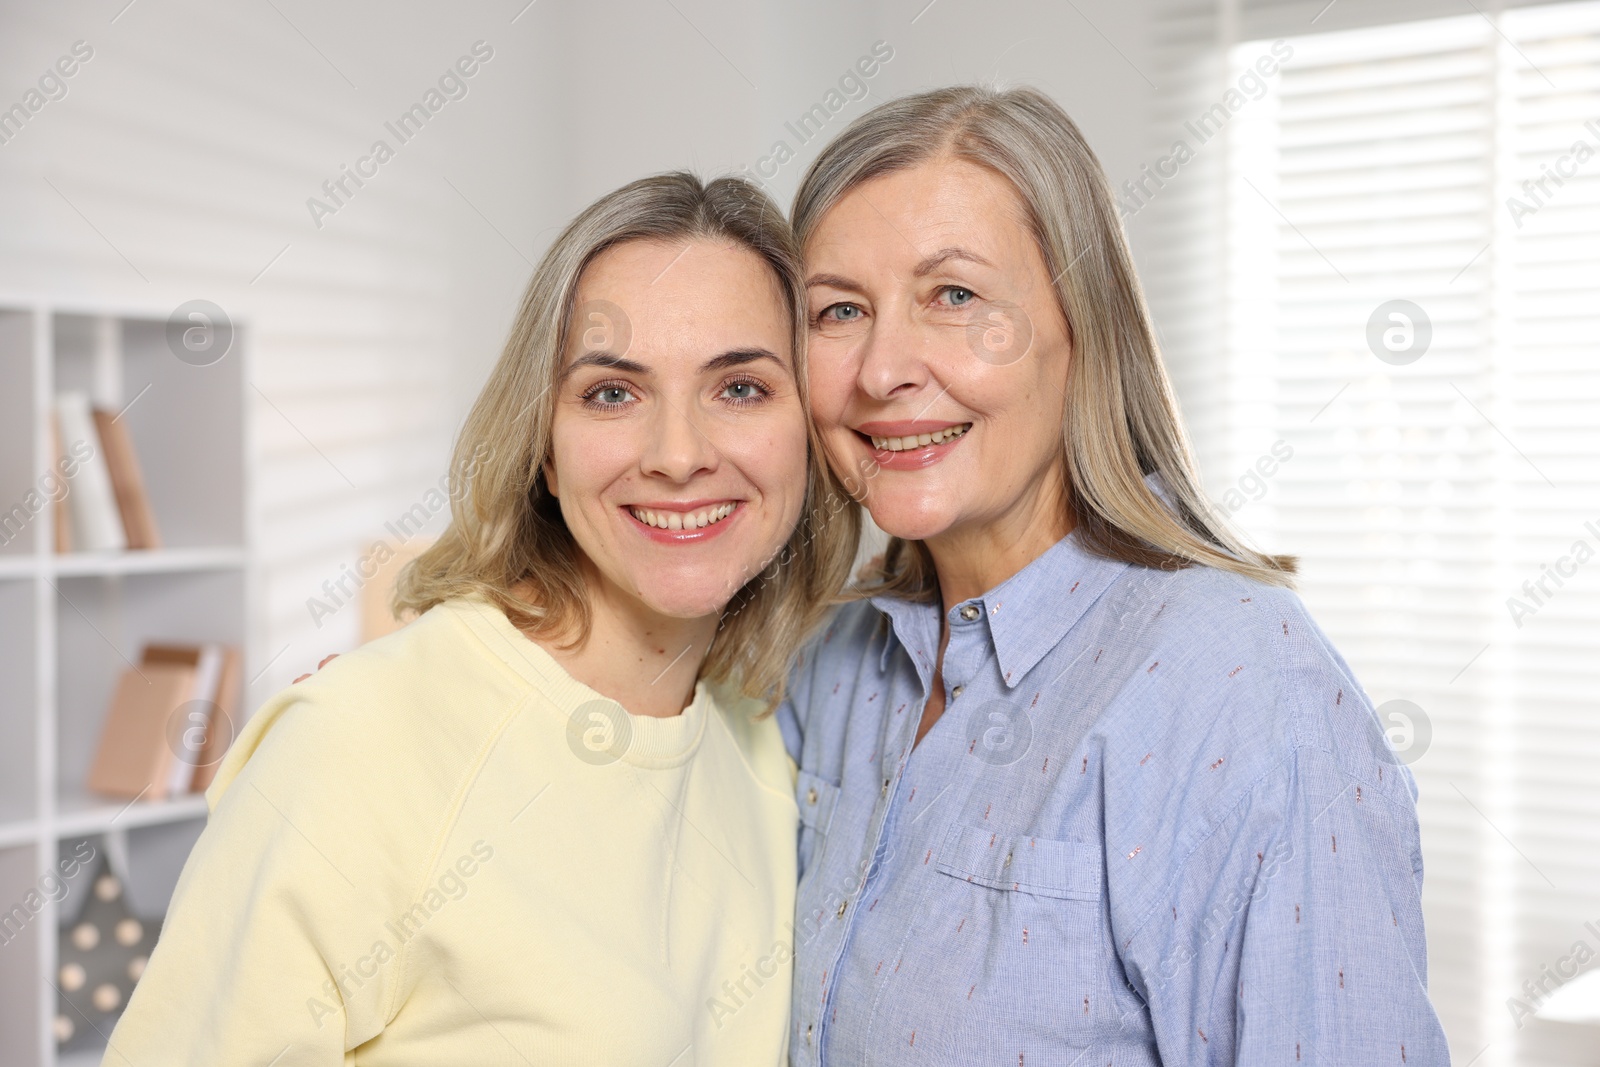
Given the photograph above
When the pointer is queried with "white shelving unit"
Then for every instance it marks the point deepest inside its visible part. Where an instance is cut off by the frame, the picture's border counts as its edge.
(69, 623)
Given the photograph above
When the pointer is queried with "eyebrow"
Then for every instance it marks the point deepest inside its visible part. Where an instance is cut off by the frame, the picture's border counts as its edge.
(607, 360)
(834, 281)
(944, 255)
(921, 270)
(736, 357)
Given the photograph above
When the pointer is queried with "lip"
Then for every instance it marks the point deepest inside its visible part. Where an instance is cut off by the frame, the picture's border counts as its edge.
(911, 459)
(683, 505)
(682, 537)
(906, 426)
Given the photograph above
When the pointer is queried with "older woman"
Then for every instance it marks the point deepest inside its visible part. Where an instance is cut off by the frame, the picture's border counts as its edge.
(546, 823)
(1081, 782)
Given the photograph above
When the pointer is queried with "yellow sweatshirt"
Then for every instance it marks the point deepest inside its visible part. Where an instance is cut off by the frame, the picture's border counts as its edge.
(428, 854)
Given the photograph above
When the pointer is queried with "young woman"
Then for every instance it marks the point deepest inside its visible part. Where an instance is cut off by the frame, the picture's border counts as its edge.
(1081, 783)
(546, 823)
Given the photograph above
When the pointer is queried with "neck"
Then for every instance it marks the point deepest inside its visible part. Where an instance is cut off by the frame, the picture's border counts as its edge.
(974, 558)
(645, 661)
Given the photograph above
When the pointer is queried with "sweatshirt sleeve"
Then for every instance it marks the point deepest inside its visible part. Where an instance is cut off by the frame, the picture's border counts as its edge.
(274, 948)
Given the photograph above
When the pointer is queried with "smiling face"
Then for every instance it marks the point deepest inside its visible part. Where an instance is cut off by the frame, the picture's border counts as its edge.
(938, 355)
(678, 444)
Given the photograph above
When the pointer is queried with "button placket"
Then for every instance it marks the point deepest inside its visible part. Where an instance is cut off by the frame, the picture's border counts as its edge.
(841, 932)
(966, 649)
(896, 750)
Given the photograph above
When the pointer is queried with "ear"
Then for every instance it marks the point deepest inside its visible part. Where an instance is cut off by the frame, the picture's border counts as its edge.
(549, 471)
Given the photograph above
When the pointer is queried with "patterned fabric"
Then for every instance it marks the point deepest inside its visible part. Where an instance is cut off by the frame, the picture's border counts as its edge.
(1158, 823)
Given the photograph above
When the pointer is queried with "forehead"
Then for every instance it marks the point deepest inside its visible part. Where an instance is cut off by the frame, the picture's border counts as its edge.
(908, 214)
(698, 294)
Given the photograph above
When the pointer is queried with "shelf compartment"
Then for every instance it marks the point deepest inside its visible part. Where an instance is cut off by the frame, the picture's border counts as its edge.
(18, 440)
(21, 931)
(19, 661)
(184, 420)
(102, 624)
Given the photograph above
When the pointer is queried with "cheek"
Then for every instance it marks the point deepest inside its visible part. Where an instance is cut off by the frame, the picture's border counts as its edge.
(1028, 397)
(585, 462)
(771, 454)
(832, 379)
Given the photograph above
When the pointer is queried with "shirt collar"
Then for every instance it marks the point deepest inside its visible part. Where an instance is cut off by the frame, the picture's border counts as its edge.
(1028, 614)
(915, 625)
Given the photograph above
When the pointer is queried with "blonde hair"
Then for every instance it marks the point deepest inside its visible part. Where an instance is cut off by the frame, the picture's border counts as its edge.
(506, 528)
(1122, 422)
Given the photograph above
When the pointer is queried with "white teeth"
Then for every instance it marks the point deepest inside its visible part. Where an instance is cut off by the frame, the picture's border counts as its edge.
(680, 520)
(921, 440)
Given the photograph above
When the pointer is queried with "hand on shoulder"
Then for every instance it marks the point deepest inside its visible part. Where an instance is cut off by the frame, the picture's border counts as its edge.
(321, 664)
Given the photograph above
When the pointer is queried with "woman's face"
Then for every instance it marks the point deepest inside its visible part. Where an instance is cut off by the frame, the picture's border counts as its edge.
(938, 355)
(678, 446)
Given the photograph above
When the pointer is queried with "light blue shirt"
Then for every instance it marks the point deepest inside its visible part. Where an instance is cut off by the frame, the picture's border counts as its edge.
(1158, 823)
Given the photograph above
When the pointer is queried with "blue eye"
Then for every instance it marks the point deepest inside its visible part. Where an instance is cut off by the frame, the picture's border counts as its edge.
(958, 296)
(608, 395)
(742, 391)
(842, 312)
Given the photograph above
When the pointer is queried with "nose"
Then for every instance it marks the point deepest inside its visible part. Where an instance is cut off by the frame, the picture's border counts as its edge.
(893, 358)
(676, 448)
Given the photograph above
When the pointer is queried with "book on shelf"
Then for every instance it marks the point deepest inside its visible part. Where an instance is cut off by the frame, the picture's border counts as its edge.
(63, 522)
(91, 502)
(170, 720)
(224, 719)
(107, 507)
(127, 481)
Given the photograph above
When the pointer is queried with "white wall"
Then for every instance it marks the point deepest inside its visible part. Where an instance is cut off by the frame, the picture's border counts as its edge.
(714, 85)
(193, 138)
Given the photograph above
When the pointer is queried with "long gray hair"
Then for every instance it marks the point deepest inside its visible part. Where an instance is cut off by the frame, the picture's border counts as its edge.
(1122, 422)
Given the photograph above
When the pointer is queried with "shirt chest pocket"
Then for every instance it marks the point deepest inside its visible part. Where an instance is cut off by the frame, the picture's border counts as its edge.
(1031, 926)
(1064, 870)
(816, 798)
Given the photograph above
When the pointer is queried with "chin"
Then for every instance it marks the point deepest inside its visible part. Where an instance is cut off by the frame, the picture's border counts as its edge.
(689, 600)
(916, 519)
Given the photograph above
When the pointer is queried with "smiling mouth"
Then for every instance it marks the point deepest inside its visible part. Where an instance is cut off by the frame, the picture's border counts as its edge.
(921, 440)
(683, 520)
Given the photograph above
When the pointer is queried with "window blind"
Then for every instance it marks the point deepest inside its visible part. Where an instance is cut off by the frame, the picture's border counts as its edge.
(1396, 284)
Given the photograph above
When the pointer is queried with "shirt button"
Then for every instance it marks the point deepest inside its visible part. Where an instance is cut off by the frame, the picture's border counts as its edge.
(808, 1033)
(886, 787)
(841, 908)
(969, 612)
(811, 795)
(957, 690)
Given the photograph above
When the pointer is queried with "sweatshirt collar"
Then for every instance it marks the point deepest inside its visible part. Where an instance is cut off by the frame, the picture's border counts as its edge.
(598, 728)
